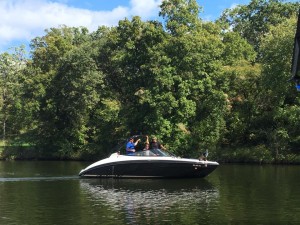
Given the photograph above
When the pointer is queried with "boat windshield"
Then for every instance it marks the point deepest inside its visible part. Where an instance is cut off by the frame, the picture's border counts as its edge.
(140, 148)
(153, 152)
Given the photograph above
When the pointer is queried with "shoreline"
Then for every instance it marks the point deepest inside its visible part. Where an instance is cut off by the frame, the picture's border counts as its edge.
(30, 153)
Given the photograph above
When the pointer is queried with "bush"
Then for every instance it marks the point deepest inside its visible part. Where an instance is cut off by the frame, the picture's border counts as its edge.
(257, 154)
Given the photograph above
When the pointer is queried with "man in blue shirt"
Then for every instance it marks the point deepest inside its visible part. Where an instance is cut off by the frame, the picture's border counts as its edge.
(130, 146)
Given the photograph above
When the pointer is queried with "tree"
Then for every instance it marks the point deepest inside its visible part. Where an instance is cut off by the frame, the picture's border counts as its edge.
(242, 82)
(181, 16)
(66, 108)
(195, 50)
(253, 21)
(54, 81)
(236, 50)
(47, 51)
(280, 98)
(130, 59)
(11, 66)
(240, 79)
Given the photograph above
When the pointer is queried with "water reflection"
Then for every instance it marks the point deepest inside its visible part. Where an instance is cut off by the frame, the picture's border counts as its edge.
(154, 198)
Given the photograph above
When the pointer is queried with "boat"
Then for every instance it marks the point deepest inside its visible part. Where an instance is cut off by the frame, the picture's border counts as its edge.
(151, 163)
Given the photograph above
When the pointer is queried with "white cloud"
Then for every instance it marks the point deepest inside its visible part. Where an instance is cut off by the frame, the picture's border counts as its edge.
(144, 8)
(234, 5)
(22, 20)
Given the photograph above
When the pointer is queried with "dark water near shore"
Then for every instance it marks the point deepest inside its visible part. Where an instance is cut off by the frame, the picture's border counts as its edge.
(36, 192)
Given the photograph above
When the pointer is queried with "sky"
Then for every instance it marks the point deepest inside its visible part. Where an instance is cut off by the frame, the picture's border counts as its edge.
(23, 20)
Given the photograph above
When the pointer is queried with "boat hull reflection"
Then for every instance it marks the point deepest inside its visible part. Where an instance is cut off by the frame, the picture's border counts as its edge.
(144, 196)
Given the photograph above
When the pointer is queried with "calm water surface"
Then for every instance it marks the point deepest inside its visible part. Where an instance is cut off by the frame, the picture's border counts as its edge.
(51, 193)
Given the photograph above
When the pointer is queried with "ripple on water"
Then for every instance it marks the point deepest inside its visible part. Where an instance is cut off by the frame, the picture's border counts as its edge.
(19, 179)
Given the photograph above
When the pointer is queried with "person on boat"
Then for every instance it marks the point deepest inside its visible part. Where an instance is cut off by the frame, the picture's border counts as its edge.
(146, 150)
(147, 145)
(130, 146)
(154, 144)
(204, 156)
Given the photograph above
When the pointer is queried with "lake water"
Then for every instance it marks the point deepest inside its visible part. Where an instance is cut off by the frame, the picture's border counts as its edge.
(42, 192)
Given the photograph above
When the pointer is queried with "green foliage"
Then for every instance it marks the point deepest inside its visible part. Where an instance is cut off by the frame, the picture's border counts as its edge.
(181, 16)
(73, 94)
(243, 81)
(254, 20)
(276, 49)
(257, 154)
(280, 98)
(195, 85)
(11, 67)
(237, 49)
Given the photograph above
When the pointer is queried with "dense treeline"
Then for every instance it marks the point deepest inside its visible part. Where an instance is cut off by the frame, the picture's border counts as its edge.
(221, 86)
